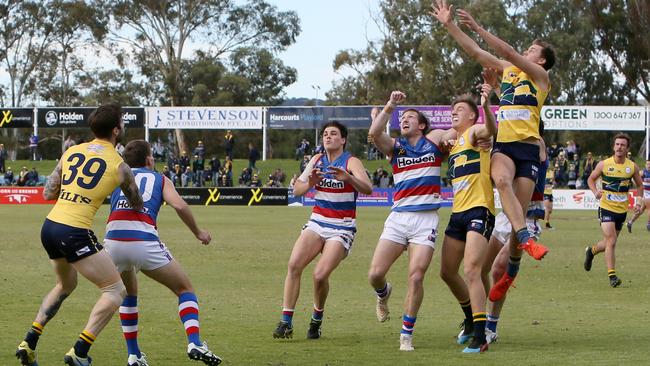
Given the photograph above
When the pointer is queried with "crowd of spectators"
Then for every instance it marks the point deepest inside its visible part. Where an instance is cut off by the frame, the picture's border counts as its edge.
(570, 168)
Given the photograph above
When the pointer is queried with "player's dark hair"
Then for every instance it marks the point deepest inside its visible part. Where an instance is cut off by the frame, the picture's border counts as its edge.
(136, 152)
(338, 125)
(622, 135)
(547, 52)
(469, 100)
(422, 119)
(104, 119)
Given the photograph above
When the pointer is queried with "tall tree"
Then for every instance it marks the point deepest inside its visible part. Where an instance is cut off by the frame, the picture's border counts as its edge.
(164, 29)
(26, 31)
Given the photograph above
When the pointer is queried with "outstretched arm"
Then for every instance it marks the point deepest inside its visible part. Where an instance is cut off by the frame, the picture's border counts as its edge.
(171, 196)
(503, 49)
(129, 188)
(489, 129)
(444, 13)
(53, 184)
(380, 138)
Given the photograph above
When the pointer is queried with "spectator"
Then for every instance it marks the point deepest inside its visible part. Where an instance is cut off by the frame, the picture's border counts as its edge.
(172, 161)
(304, 162)
(223, 179)
(200, 150)
(376, 176)
(571, 148)
(3, 158)
(553, 151)
(184, 161)
(588, 167)
(561, 167)
(9, 177)
(215, 165)
(198, 165)
(279, 176)
(32, 178)
(229, 143)
(158, 150)
(573, 171)
(255, 182)
(293, 180)
(178, 174)
(253, 156)
(22, 177)
(302, 149)
(272, 183)
(33, 147)
(68, 143)
(245, 177)
(384, 180)
(207, 176)
(167, 173)
(187, 177)
(227, 165)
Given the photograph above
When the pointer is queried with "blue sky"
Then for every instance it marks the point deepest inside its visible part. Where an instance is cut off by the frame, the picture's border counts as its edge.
(328, 26)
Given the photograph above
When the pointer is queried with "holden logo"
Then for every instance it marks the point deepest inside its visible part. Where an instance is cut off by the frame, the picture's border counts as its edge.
(51, 118)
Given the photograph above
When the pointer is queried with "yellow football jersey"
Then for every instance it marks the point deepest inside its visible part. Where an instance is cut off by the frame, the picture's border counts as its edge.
(520, 106)
(469, 168)
(616, 180)
(89, 173)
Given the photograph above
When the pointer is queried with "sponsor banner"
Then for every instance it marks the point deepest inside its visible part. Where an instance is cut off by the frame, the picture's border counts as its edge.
(16, 118)
(593, 118)
(224, 118)
(133, 117)
(22, 196)
(439, 115)
(572, 199)
(295, 118)
(235, 196)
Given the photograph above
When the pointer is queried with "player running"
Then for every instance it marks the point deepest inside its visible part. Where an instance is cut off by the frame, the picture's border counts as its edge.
(472, 217)
(337, 177)
(82, 179)
(132, 241)
(616, 173)
(645, 177)
(549, 180)
(515, 157)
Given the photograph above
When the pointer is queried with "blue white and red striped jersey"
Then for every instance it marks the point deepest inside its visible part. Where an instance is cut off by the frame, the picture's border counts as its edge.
(646, 180)
(336, 201)
(126, 224)
(416, 173)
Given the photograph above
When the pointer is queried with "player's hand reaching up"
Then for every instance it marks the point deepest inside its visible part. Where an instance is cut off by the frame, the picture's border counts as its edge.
(442, 11)
(204, 237)
(339, 173)
(466, 19)
(396, 97)
(486, 91)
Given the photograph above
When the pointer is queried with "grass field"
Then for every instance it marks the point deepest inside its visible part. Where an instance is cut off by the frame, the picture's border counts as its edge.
(557, 315)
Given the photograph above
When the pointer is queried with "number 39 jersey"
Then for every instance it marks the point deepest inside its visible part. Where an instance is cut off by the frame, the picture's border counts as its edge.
(126, 224)
(89, 173)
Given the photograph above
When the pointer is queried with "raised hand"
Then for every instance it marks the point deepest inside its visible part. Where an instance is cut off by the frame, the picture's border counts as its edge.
(315, 176)
(467, 20)
(442, 11)
(397, 97)
(490, 76)
(486, 90)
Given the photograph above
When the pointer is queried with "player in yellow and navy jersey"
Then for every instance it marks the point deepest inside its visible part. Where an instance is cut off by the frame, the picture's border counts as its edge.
(85, 175)
(616, 174)
(549, 180)
(472, 216)
(515, 163)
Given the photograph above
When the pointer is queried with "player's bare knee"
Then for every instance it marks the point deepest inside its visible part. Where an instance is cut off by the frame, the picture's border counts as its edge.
(294, 269)
(501, 183)
(473, 272)
(375, 276)
(416, 278)
(115, 292)
(320, 277)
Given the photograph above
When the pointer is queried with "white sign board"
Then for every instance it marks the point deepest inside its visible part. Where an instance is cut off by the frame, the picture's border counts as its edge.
(224, 118)
(593, 118)
(569, 199)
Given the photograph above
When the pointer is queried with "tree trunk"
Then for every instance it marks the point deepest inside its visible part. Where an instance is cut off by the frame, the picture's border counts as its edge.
(181, 146)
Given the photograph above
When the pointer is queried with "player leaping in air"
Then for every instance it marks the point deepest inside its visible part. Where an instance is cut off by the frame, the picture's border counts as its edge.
(515, 157)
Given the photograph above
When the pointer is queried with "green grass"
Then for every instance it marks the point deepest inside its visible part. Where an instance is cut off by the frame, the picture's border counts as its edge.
(557, 315)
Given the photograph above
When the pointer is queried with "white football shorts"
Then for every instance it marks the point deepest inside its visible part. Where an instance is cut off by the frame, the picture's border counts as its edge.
(345, 237)
(420, 227)
(137, 255)
(503, 230)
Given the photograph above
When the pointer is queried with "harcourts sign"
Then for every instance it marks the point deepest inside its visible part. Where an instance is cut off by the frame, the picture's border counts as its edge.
(597, 118)
(230, 118)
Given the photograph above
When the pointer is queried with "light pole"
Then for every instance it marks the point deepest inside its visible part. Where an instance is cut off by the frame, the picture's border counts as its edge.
(317, 89)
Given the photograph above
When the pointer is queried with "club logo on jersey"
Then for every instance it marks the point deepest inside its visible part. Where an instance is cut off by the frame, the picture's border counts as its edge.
(401, 152)
(476, 224)
(403, 162)
(628, 170)
(331, 183)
